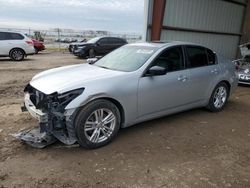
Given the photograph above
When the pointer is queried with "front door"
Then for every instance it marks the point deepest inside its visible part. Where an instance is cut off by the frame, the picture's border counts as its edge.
(159, 93)
(102, 46)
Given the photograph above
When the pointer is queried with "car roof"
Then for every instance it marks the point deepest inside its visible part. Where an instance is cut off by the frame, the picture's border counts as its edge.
(2, 31)
(110, 37)
(163, 44)
(11, 31)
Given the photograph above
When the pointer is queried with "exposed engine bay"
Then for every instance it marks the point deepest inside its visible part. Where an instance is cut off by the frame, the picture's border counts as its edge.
(55, 123)
(243, 64)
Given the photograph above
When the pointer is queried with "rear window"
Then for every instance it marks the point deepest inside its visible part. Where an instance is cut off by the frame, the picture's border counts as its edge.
(197, 56)
(16, 36)
(2, 36)
(104, 41)
(10, 36)
(211, 57)
(117, 41)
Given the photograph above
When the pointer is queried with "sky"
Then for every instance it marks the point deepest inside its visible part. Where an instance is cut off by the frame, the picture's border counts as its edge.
(110, 15)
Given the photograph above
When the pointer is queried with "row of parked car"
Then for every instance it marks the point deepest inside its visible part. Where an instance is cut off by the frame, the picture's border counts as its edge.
(68, 40)
(17, 45)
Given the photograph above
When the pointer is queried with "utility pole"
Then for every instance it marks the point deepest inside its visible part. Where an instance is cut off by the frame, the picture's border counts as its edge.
(58, 36)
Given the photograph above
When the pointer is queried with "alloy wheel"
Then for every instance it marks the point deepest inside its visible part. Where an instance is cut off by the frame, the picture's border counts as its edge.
(100, 125)
(220, 97)
(17, 55)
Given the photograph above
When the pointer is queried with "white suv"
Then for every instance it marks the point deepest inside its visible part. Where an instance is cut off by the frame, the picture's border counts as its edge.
(15, 45)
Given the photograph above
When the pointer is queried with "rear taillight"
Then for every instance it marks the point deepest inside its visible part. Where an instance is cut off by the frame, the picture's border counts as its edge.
(237, 67)
(29, 42)
(236, 64)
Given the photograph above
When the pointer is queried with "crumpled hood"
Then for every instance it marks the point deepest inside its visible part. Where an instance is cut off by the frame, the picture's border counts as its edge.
(70, 77)
(245, 69)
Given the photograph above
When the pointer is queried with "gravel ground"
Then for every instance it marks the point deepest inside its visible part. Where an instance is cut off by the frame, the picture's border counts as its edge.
(190, 149)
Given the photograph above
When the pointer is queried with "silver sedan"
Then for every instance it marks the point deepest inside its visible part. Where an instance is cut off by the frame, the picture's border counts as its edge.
(89, 103)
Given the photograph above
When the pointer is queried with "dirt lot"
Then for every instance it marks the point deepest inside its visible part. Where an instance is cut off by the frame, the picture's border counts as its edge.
(191, 149)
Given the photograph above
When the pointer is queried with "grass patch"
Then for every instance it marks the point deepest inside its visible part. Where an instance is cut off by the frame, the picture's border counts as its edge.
(56, 49)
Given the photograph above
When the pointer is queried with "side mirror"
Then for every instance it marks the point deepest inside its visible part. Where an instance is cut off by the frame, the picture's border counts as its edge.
(156, 71)
(91, 60)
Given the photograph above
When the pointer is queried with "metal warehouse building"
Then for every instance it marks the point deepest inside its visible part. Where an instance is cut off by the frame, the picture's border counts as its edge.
(218, 24)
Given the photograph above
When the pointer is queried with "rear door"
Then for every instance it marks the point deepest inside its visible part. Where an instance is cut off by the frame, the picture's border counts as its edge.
(204, 71)
(111, 44)
(103, 46)
(117, 43)
(5, 45)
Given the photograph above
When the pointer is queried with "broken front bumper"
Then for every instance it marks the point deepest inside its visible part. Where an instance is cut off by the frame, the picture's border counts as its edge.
(53, 125)
(36, 113)
(244, 79)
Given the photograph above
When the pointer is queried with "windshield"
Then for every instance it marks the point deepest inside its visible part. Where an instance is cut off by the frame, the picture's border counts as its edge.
(93, 40)
(126, 58)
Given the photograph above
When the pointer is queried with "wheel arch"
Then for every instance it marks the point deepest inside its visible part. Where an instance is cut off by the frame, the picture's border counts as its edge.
(115, 102)
(222, 81)
(18, 49)
(118, 105)
(120, 108)
(227, 83)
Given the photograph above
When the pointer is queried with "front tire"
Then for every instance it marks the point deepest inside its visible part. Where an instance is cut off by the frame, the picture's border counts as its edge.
(219, 97)
(17, 54)
(97, 124)
(91, 53)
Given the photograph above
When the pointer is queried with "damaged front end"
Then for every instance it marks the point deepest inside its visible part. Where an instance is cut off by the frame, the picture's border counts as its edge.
(55, 123)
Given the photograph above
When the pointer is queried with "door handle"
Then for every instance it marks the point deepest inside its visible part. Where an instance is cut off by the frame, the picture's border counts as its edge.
(182, 78)
(215, 71)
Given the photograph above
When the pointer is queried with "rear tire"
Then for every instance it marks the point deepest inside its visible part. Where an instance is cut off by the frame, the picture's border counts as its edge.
(97, 124)
(218, 98)
(36, 51)
(17, 54)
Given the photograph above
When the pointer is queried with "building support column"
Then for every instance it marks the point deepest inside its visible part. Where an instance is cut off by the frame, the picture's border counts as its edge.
(157, 19)
(246, 25)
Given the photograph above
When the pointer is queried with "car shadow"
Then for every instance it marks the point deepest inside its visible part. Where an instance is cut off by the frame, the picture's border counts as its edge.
(244, 85)
(42, 53)
(10, 60)
(161, 125)
(133, 131)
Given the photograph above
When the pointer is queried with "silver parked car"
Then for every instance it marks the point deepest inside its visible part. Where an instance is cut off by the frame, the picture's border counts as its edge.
(243, 71)
(89, 103)
(243, 64)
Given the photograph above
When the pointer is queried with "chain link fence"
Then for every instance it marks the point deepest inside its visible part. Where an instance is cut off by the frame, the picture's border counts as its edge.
(58, 38)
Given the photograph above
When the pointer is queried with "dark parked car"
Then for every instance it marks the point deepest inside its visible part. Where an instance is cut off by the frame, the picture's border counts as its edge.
(98, 46)
(73, 45)
(38, 45)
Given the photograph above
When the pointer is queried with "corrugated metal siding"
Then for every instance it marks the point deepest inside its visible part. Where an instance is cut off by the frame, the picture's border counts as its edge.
(241, 1)
(150, 11)
(212, 15)
(223, 44)
(207, 15)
